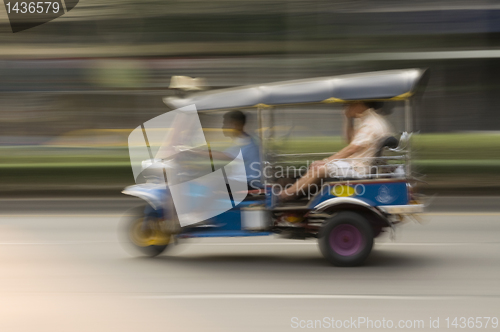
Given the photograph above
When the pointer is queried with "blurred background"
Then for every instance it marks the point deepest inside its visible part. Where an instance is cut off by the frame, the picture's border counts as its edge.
(73, 89)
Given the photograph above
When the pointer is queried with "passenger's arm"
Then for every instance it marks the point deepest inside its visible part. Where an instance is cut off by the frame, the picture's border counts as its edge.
(362, 139)
(357, 143)
(345, 152)
(342, 154)
(349, 129)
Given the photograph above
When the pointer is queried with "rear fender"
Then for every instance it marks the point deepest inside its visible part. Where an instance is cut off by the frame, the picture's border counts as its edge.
(374, 216)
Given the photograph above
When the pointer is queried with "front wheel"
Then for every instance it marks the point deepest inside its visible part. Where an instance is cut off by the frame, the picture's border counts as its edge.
(145, 232)
(346, 239)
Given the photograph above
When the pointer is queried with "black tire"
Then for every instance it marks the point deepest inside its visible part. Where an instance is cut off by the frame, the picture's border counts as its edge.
(346, 239)
(138, 236)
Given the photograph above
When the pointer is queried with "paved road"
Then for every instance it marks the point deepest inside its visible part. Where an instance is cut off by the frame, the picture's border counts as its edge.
(65, 270)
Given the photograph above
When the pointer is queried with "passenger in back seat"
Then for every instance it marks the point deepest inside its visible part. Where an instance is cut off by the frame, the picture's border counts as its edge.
(364, 130)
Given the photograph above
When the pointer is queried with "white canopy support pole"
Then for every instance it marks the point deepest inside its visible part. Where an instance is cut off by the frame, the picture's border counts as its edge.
(261, 143)
(408, 129)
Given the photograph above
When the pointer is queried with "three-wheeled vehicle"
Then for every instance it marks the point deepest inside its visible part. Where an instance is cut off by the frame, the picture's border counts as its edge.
(344, 214)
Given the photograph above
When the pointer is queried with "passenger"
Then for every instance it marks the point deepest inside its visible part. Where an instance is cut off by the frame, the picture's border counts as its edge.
(364, 131)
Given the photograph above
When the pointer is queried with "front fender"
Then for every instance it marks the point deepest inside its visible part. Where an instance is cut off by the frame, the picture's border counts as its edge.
(154, 194)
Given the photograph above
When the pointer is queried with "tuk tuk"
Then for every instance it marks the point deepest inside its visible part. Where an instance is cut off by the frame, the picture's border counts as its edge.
(344, 214)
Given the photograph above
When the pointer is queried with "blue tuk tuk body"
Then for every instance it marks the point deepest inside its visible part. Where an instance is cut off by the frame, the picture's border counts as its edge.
(344, 214)
(375, 194)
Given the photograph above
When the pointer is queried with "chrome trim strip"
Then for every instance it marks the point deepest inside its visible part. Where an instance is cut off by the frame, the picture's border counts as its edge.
(340, 200)
(402, 209)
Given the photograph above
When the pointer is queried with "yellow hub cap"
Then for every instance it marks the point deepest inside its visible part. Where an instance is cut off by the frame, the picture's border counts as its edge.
(148, 237)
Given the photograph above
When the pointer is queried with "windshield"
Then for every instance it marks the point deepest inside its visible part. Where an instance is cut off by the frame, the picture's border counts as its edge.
(172, 149)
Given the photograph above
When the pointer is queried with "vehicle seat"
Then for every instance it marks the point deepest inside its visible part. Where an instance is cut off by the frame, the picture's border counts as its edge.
(390, 142)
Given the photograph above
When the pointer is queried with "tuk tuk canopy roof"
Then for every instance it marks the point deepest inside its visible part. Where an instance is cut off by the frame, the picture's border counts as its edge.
(382, 85)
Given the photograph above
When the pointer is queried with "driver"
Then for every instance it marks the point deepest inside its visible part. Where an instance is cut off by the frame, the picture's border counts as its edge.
(364, 130)
(233, 126)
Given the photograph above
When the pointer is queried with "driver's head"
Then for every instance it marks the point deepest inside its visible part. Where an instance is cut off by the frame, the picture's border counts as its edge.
(233, 123)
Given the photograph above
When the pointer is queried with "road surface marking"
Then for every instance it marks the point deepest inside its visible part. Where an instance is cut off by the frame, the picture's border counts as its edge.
(37, 215)
(303, 296)
(437, 214)
(54, 243)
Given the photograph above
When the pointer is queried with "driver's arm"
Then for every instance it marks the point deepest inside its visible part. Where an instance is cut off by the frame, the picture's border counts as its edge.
(220, 155)
(215, 154)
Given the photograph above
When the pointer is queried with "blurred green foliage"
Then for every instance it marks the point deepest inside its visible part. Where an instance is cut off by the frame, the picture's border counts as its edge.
(425, 146)
(448, 160)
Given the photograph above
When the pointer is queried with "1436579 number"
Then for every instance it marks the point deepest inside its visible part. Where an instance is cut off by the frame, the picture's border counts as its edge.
(471, 322)
(32, 7)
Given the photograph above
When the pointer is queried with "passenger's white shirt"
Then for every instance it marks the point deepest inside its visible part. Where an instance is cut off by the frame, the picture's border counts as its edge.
(369, 131)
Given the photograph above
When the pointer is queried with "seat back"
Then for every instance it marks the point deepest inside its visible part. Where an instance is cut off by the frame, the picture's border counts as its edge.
(389, 142)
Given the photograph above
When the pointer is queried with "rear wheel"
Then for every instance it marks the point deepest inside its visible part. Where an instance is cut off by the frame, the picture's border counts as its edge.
(346, 239)
(146, 233)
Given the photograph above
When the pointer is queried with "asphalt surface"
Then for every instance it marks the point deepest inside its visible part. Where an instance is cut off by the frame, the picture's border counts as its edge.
(63, 268)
